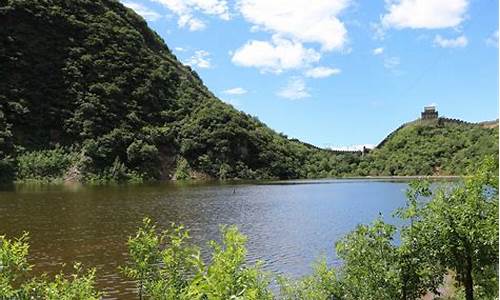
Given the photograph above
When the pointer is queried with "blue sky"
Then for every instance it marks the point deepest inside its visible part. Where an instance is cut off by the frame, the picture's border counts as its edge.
(338, 73)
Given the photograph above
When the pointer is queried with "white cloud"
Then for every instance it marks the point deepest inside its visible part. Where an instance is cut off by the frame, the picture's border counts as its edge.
(391, 62)
(186, 9)
(352, 147)
(200, 59)
(179, 49)
(191, 22)
(276, 56)
(460, 41)
(492, 40)
(212, 7)
(235, 91)
(147, 13)
(424, 14)
(301, 20)
(378, 51)
(294, 90)
(322, 72)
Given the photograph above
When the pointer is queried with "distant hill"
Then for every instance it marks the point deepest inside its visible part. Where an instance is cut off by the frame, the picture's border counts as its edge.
(432, 147)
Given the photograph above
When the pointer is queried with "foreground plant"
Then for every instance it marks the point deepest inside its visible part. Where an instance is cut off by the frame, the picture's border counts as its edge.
(321, 285)
(13, 264)
(420, 272)
(458, 230)
(16, 284)
(166, 267)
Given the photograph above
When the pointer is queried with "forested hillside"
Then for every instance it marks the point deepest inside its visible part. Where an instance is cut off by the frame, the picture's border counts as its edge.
(432, 147)
(90, 93)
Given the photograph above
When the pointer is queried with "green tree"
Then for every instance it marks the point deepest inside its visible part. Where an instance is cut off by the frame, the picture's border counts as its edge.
(419, 272)
(370, 262)
(459, 229)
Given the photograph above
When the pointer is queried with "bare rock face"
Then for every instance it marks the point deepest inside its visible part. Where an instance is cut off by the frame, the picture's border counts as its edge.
(73, 175)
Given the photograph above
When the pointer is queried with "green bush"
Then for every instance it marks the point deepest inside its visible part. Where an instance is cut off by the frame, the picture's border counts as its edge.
(183, 170)
(323, 284)
(165, 266)
(370, 269)
(144, 158)
(15, 282)
(45, 165)
(116, 173)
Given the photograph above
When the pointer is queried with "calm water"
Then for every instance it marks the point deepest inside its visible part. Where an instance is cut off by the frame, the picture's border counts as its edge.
(288, 225)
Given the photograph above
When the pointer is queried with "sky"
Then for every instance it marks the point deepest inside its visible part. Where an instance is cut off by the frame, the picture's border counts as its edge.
(338, 73)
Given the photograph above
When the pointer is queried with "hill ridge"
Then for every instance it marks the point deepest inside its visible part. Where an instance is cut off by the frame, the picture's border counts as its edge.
(440, 120)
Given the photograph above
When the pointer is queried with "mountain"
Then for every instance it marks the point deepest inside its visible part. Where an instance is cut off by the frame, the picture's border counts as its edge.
(440, 146)
(89, 92)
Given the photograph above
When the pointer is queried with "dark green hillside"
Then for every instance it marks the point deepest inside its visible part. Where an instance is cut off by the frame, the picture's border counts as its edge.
(89, 92)
(433, 147)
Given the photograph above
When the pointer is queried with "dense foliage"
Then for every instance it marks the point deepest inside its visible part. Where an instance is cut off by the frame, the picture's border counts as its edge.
(182, 274)
(434, 147)
(15, 282)
(458, 229)
(44, 164)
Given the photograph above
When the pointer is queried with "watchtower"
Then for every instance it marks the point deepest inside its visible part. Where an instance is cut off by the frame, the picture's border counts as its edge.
(429, 113)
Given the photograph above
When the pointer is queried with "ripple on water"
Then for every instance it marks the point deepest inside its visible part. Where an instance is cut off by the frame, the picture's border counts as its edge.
(288, 226)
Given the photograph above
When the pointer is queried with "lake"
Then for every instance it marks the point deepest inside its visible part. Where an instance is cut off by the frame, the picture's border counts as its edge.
(289, 224)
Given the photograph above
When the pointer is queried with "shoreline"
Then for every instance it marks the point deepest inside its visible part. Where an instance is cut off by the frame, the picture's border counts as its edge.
(409, 177)
(232, 180)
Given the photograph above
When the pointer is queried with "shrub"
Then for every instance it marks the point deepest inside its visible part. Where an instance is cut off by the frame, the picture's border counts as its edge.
(323, 284)
(15, 284)
(183, 170)
(116, 173)
(144, 158)
(166, 267)
(45, 165)
(370, 269)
